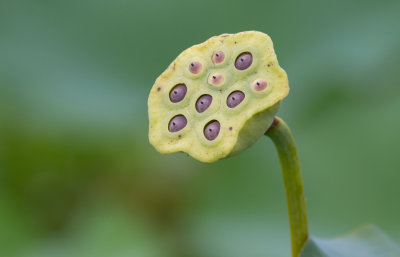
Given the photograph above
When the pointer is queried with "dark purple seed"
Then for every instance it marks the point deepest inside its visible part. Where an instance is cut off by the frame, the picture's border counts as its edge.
(178, 93)
(203, 103)
(218, 57)
(177, 123)
(211, 130)
(234, 99)
(243, 61)
(195, 67)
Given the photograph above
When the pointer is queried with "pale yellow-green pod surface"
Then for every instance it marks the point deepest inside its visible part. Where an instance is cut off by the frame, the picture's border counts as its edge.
(217, 98)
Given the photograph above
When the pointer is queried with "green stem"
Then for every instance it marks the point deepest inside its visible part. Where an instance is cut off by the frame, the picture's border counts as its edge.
(282, 137)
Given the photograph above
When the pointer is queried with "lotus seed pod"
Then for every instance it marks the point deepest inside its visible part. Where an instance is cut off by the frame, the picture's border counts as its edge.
(217, 98)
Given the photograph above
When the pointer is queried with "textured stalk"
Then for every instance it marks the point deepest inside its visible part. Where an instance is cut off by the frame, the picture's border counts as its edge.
(282, 137)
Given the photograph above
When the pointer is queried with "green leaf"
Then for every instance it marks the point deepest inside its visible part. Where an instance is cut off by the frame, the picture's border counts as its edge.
(368, 241)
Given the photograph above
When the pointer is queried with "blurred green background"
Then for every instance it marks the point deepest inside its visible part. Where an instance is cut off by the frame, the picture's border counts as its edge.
(78, 176)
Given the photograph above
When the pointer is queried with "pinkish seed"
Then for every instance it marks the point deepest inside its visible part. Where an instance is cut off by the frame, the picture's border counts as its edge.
(216, 79)
(259, 85)
(195, 67)
(218, 57)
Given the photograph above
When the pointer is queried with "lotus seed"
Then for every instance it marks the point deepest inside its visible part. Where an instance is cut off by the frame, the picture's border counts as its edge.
(211, 130)
(243, 61)
(259, 85)
(195, 67)
(218, 57)
(234, 99)
(178, 93)
(215, 79)
(203, 103)
(177, 123)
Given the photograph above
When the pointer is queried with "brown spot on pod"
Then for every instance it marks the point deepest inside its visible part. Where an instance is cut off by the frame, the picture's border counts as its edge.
(177, 123)
(177, 93)
(243, 61)
(195, 67)
(235, 98)
(211, 130)
(259, 85)
(275, 123)
(215, 79)
(203, 103)
(218, 57)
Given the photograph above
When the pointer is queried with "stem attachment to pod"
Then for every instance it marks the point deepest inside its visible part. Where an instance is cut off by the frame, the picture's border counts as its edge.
(283, 139)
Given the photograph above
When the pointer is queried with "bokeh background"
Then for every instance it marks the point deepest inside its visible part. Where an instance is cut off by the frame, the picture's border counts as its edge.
(78, 176)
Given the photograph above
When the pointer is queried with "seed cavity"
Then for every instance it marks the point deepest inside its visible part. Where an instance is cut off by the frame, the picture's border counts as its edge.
(216, 79)
(177, 93)
(259, 85)
(218, 57)
(177, 123)
(203, 103)
(243, 61)
(234, 99)
(211, 130)
(195, 67)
